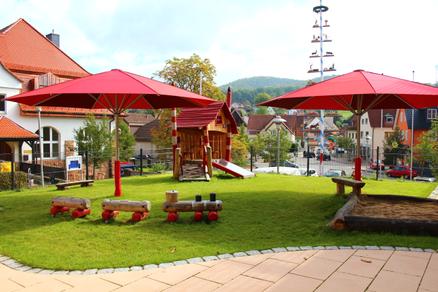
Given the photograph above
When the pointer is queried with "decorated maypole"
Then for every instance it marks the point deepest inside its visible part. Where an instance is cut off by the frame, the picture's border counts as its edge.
(229, 135)
(320, 39)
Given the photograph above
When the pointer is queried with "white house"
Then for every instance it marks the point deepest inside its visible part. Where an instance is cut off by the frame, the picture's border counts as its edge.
(25, 67)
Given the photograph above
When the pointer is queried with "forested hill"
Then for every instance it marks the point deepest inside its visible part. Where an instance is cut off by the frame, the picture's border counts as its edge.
(245, 90)
(263, 81)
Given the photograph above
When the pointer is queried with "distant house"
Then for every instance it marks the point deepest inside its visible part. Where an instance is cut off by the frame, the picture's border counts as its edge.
(422, 122)
(264, 123)
(239, 118)
(143, 137)
(137, 120)
(312, 131)
(30, 60)
(382, 124)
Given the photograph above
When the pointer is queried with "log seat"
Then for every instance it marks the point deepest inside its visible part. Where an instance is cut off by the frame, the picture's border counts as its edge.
(357, 185)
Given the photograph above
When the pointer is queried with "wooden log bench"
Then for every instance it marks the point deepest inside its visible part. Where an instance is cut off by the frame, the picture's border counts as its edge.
(172, 206)
(111, 209)
(63, 204)
(82, 183)
(342, 182)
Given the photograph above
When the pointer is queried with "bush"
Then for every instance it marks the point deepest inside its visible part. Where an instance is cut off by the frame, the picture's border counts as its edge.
(20, 180)
(158, 167)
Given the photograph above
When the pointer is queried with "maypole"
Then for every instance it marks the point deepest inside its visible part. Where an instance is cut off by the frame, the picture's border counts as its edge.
(321, 39)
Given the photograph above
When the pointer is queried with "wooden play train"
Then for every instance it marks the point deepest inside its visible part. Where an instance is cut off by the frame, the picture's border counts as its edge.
(64, 204)
(172, 206)
(111, 209)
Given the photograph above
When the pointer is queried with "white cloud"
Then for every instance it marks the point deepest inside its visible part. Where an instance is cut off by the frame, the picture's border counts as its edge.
(242, 38)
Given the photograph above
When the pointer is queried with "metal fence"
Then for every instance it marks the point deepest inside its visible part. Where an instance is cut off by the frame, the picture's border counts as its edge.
(375, 162)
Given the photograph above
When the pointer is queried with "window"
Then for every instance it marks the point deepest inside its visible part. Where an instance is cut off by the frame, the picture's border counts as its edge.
(50, 142)
(361, 134)
(2, 103)
(432, 113)
(389, 118)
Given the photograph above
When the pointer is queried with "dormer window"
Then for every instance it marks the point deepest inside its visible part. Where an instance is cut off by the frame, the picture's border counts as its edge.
(389, 118)
(432, 113)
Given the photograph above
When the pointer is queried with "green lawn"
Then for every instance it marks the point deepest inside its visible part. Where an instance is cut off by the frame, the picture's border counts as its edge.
(264, 212)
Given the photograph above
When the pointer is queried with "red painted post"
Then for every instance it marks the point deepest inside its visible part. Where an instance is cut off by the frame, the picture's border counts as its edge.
(117, 180)
(358, 168)
(174, 136)
(228, 144)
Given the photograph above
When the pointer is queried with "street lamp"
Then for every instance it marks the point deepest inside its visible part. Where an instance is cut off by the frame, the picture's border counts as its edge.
(367, 140)
(278, 121)
(40, 134)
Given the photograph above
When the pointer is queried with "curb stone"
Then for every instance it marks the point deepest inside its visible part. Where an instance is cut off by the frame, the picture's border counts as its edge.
(11, 263)
(225, 256)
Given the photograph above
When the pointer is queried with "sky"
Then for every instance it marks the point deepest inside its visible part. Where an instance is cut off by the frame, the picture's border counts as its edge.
(242, 38)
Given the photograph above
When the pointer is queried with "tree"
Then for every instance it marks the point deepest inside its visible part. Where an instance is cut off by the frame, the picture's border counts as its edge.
(427, 149)
(185, 73)
(239, 149)
(345, 142)
(394, 149)
(162, 136)
(126, 141)
(267, 146)
(95, 137)
(261, 97)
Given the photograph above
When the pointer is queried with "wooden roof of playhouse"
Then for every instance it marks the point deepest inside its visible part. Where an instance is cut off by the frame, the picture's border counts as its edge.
(204, 116)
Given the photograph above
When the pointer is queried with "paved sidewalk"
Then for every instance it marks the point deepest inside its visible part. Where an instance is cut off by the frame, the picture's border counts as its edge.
(310, 270)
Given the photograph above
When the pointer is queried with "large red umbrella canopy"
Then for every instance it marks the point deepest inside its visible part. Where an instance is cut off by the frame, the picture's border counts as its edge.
(359, 91)
(117, 91)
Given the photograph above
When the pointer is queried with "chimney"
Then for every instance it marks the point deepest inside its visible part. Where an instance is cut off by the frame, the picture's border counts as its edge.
(229, 97)
(53, 37)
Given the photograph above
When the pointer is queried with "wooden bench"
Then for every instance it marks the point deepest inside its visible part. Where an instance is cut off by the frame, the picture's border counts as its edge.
(342, 182)
(82, 183)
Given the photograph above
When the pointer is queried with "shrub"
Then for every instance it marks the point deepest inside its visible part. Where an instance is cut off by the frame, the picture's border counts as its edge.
(158, 167)
(20, 180)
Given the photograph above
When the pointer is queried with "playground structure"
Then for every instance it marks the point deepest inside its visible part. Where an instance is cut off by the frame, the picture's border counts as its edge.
(199, 136)
(172, 206)
(63, 205)
(111, 209)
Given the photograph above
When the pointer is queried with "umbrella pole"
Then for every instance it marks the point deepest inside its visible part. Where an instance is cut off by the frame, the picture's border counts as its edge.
(117, 181)
(358, 159)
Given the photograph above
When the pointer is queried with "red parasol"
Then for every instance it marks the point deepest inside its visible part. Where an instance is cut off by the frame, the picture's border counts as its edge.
(359, 91)
(117, 91)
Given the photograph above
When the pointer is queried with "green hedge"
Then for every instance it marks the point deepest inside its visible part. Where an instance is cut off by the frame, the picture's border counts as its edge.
(20, 180)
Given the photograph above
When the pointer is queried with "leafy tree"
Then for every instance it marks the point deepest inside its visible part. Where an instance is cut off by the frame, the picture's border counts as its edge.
(266, 144)
(427, 149)
(240, 145)
(162, 136)
(262, 110)
(186, 72)
(95, 137)
(345, 142)
(394, 147)
(126, 141)
(261, 97)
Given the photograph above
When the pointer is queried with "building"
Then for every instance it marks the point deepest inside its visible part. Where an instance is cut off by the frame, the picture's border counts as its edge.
(264, 123)
(382, 124)
(30, 60)
(422, 123)
(143, 138)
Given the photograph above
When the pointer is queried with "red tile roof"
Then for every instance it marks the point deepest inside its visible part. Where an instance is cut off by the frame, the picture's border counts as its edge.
(256, 123)
(51, 111)
(202, 116)
(23, 48)
(12, 131)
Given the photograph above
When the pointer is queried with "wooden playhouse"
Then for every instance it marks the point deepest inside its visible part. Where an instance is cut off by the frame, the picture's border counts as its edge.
(203, 135)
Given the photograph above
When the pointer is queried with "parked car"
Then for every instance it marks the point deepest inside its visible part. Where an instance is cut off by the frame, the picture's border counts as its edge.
(309, 154)
(401, 171)
(326, 156)
(425, 178)
(284, 163)
(373, 165)
(334, 173)
(340, 150)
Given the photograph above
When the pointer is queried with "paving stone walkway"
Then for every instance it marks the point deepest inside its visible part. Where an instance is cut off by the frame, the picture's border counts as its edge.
(305, 270)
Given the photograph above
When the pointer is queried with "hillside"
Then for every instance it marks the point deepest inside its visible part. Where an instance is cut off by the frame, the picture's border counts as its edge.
(263, 81)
